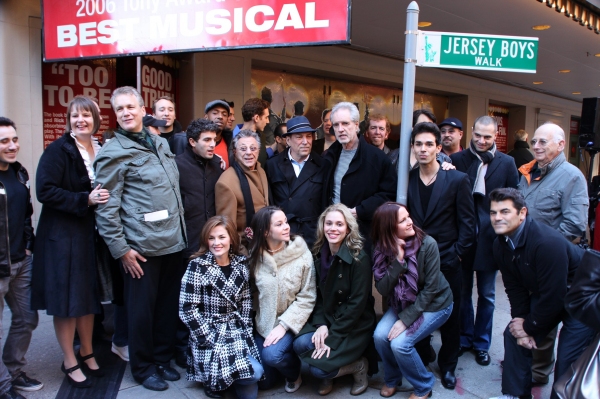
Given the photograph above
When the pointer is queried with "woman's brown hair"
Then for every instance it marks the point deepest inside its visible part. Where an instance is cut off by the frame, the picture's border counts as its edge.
(384, 229)
(87, 104)
(210, 224)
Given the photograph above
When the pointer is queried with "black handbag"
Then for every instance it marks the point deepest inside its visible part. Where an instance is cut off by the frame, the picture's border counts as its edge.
(582, 380)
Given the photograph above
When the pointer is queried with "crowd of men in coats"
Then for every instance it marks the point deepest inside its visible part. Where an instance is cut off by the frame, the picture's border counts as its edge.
(528, 234)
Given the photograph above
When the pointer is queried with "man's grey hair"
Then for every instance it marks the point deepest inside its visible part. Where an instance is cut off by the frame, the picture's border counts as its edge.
(244, 134)
(558, 134)
(486, 120)
(128, 90)
(521, 135)
(354, 114)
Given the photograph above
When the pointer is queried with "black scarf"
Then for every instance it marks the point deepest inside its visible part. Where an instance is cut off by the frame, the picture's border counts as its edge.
(245, 186)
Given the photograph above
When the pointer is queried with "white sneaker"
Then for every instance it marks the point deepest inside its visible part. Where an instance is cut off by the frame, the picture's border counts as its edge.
(121, 351)
(293, 386)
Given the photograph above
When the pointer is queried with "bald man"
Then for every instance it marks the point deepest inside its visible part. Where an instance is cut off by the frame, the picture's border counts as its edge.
(556, 195)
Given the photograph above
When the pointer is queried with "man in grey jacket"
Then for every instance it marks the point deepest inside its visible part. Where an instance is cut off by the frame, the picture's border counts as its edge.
(142, 224)
(556, 195)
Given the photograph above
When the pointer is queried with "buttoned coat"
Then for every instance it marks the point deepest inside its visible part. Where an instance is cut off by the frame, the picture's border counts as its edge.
(286, 288)
(501, 173)
(345, 305)
(217, 310)
(299, 197)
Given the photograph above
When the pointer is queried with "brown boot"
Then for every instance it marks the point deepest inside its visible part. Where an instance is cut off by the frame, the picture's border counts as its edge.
(358, 369)
(325, 386)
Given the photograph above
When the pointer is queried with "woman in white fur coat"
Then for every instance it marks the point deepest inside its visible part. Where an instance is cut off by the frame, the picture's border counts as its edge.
(283, 271)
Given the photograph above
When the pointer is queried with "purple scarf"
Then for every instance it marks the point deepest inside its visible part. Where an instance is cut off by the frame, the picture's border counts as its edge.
(407, 289)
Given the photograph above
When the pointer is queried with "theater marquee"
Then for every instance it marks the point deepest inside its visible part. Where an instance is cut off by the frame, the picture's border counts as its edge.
(77, 29)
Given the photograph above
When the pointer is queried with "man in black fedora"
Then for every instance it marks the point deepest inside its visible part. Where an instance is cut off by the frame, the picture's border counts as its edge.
(295, 179)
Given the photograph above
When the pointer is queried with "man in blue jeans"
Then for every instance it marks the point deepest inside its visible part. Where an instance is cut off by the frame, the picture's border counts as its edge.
(15, 265)
(537, 266)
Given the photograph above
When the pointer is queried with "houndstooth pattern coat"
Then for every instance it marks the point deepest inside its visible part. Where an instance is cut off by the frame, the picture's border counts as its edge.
(216, 310)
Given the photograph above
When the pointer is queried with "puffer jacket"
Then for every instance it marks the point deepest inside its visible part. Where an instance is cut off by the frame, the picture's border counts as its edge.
(23, 177)
(140, 183)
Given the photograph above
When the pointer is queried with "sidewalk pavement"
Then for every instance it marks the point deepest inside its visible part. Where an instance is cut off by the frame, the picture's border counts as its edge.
(473, 381)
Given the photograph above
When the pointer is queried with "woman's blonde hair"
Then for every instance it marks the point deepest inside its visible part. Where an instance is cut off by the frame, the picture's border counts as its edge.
(353, 239)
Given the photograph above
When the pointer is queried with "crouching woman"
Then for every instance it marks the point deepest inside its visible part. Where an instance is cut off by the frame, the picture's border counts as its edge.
(406, 266)
(341, 326)
(215, 304)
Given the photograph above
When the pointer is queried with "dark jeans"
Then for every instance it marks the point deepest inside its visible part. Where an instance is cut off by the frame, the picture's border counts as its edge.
(277, 359)
(450, 330)
(516, 375)
(303, 344)
(152, 308)
(476, 329)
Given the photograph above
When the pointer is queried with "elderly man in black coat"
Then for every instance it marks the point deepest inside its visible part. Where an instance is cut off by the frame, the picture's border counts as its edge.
(295, 179)
(488, 169)
(537, 266)
(356, 173)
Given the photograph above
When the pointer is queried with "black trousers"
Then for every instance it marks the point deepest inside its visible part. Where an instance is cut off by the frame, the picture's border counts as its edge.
(152, 304)
(183, 333)
(450, 331)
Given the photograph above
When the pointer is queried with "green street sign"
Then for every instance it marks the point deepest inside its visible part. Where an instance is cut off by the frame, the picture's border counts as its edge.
(483, 52)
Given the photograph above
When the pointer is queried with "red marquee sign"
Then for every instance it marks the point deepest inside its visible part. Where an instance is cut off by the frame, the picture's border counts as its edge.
(76, 29)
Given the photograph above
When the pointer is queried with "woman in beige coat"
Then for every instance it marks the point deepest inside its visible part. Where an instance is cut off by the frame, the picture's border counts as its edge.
(283, 271)
(242, 189)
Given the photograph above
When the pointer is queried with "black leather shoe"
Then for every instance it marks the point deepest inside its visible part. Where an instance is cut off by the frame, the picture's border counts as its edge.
(449, 380)
(464, 349)
(86, 369)
(482, 358)
(155, 383)
(168, 373)
(77, 384)
(212, 394)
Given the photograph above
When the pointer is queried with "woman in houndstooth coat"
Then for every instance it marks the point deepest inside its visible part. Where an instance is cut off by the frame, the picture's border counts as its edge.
(215, 304)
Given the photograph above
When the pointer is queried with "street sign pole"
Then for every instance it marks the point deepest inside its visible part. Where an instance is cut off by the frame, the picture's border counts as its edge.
(408, 99)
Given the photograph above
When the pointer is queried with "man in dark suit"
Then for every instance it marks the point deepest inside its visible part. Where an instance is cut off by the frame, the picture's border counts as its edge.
(488, 169)
(295, 181)
(356, 173)
(440, 203)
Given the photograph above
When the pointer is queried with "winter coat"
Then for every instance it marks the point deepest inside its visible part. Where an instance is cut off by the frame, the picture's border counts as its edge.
(64, 279)
(229, 197)
(299, 197)
(197, 180)
(521, 153)
(217, 312)
(434, 292)
(369, 182)
(541, 266)
(286, 288)
(28, 236)
(501, 173)
(141, 183)
(346, 306)
(559, 199)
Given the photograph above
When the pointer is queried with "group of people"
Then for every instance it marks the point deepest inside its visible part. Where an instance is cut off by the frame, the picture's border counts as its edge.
(241, 252)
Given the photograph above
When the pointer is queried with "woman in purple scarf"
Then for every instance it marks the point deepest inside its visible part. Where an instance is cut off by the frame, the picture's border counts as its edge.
(406, 266)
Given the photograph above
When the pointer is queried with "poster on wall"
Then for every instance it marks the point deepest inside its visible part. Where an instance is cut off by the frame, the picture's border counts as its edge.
(500, 113)
(159, 77)
(107, 28)
(62, 81)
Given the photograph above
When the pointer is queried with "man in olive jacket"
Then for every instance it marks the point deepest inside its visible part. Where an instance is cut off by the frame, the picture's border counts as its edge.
(142, 224)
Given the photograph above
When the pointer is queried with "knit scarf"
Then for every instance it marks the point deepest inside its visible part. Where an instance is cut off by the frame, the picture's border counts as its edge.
(405, 292)
(477, 170)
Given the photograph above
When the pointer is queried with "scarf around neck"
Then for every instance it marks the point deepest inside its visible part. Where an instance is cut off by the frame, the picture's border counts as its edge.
(477, 170)
(405, 292)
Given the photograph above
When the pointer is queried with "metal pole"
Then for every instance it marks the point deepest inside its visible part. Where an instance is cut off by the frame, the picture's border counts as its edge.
(408, 99)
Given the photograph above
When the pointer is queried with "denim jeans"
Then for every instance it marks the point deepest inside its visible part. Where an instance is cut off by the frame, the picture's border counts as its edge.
(574, 337)
(476, 329)
(247, 388)
(278, 358)
(304, 343)
(16, 290)
(400, 357)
